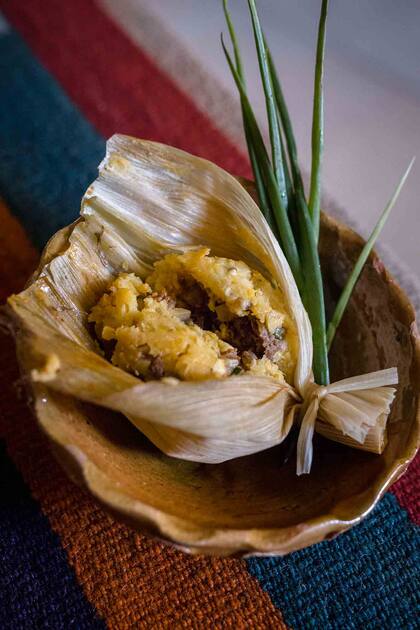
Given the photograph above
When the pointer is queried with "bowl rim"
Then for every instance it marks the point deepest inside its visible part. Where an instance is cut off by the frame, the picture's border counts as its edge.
(194, 538)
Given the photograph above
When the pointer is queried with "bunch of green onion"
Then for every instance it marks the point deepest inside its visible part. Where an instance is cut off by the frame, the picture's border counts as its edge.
(294, 216)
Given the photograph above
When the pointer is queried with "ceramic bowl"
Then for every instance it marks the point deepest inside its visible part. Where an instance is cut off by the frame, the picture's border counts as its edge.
(257, 504)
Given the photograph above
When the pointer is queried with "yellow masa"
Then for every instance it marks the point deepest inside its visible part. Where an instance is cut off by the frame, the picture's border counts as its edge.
(151, 324)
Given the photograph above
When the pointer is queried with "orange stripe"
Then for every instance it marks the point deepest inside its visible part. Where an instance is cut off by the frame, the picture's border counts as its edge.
(132, 580)
(17, 256)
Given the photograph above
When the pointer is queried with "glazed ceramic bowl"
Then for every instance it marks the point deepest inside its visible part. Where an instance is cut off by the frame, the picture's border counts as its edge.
(256, 504)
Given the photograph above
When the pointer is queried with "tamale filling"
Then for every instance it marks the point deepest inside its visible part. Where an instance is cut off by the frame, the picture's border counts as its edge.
(196, 317)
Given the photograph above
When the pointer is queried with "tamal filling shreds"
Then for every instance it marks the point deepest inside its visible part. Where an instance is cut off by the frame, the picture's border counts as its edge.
(196, 317)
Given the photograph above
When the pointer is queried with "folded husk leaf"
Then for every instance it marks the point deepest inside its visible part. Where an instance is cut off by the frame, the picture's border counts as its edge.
(351, 411)
(150, 200)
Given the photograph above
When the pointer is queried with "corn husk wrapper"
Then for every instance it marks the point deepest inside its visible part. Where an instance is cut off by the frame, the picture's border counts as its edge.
(150, 200)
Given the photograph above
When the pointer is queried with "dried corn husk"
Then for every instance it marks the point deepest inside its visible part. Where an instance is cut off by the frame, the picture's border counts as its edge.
(150, 200)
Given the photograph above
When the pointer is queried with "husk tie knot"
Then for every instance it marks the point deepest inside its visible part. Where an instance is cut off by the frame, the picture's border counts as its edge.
(353, 405)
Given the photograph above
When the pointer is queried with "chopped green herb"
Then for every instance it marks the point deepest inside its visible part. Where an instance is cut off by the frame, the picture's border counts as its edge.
(279, 333)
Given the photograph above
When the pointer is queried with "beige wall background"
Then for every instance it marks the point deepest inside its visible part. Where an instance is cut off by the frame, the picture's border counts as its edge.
(372, 93)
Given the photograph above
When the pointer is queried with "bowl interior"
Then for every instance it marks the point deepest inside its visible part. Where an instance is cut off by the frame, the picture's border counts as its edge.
(263, 491)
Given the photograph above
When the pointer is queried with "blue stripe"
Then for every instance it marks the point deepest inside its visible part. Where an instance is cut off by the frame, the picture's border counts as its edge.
(48, 156)
(49, 153)
(365, 578)
(37, 587)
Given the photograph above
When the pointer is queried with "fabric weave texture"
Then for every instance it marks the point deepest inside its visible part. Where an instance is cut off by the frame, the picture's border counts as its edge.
(69, 77)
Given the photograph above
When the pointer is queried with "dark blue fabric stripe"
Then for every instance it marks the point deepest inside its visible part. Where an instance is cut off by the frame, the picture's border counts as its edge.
(37, 587)
(49, 152)
(48, 156)
(365, 578)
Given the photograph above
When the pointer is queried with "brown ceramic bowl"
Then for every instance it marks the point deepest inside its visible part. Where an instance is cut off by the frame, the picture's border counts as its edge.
(257, 504)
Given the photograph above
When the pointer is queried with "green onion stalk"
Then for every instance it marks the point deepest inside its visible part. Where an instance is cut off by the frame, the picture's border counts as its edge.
(294, 216)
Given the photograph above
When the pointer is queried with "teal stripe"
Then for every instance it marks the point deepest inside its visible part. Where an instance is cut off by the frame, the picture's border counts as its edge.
(366, 578)
(38, 589)
(48, 156)
(49, 153)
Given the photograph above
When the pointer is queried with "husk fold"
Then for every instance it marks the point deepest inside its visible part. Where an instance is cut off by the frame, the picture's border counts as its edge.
(150, 200)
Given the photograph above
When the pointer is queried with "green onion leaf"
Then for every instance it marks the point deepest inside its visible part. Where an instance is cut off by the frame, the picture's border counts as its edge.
(258, 178)
(234, 40)
(313, 292)
(286, 124)
(270, 104)
(287, 178)
(354, 276)
(318, 124)
(286, 237)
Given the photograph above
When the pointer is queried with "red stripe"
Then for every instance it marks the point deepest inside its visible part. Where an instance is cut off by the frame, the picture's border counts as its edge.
(119, 88)
(116, 85)
(407, 490)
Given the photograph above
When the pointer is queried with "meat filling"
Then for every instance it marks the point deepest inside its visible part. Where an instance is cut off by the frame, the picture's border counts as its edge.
(247, 334)
(194, 297)
(244, 333)
(195, 317)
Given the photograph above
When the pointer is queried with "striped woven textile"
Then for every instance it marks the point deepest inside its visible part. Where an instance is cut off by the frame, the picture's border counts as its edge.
(70, 76)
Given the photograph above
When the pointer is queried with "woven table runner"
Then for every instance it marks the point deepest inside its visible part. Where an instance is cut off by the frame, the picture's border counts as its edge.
(71, 74)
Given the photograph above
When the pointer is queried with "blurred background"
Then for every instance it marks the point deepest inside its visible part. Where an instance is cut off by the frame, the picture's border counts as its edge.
(372, 92)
